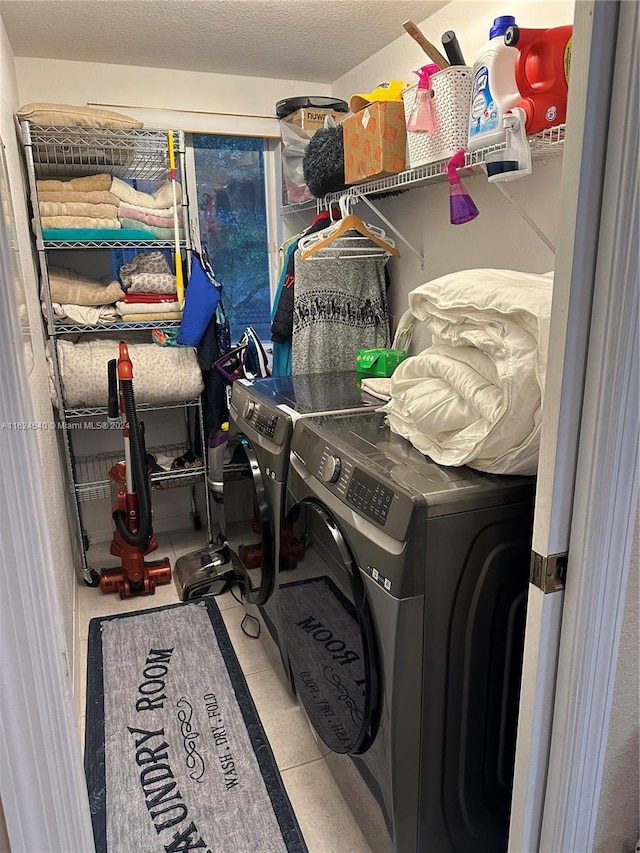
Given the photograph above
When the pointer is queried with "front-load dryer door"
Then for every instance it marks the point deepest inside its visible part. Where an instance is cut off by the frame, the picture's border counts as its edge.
(247, 520)
(328, 631)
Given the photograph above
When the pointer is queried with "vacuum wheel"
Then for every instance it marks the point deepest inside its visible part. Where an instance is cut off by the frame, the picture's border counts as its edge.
(94, 578)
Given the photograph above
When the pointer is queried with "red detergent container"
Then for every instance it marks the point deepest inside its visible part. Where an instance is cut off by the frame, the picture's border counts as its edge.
(542, 73)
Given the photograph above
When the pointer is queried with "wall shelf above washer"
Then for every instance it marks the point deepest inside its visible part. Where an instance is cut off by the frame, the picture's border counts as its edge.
(548, 143)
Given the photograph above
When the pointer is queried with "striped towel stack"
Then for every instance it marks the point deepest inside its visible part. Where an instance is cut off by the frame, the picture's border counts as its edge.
(152, 212)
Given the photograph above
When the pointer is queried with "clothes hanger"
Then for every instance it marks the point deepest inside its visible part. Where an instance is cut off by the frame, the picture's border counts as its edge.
(349, 222)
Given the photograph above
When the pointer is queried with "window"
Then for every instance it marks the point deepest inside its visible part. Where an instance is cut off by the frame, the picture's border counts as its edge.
(232, 218)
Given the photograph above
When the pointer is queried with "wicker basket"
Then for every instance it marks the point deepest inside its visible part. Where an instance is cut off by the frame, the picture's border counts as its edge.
(451, 98)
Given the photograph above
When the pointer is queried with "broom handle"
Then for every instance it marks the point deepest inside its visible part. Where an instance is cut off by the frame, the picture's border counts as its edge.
(431, 50)
(176, 225)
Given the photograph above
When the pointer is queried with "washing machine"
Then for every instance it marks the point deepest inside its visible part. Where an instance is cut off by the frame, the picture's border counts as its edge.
(404, 628)
(262, 417)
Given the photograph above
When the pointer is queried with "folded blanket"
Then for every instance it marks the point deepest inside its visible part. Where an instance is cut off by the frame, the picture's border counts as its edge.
(75, 208)
(162, 374)
(85, 315)
(161, 197)
(89, 197)
(67, 286)
(91, 183)
(126, 212)
(475, 396)
(145, 262)
(145, 307)
(148, 272)
(160, 284)
(53, 222)
(159, 233)
(151, 317)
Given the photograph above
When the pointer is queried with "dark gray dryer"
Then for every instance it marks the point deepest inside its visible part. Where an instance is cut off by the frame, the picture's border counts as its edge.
(404, 627)
(262, 417)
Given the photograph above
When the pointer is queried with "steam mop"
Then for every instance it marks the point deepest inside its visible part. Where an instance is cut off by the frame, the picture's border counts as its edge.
(210, 570)
(133, 537)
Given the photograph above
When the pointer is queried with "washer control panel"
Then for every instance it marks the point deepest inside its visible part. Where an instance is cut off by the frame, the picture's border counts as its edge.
(357, 488)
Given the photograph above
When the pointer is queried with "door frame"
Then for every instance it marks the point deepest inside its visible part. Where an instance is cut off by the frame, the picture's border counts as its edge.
(588, 474)
(42, 785)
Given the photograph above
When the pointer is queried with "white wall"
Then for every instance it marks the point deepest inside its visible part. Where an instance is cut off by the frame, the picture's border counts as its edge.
(129, 87)
(54, 494)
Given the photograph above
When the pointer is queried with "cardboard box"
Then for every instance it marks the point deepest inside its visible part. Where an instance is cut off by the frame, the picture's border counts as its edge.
(378, 362)
(375, 142)
(312, 118)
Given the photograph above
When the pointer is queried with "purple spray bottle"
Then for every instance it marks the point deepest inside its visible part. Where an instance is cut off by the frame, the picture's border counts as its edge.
(461, 206)
(422, 117)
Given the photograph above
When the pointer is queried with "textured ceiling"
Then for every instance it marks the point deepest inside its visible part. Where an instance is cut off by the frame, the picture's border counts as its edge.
(312, 40)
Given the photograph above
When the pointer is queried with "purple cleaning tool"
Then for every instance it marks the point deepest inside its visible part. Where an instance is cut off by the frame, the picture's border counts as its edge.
(461, 206)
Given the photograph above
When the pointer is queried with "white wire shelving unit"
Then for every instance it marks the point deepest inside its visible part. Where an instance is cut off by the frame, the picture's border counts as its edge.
(548, 143)
(141, 158)
(61, 328)
(94, 483)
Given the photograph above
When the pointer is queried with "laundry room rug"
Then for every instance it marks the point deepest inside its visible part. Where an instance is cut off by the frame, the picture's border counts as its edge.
(176, 758)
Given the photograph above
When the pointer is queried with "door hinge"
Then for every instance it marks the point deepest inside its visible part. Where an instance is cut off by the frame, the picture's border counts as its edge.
(548, 573)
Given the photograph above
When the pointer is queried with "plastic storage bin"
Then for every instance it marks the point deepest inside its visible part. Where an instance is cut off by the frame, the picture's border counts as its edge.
(451, 96)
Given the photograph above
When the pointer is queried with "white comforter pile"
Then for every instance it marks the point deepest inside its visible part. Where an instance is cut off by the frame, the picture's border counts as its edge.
(475, 396)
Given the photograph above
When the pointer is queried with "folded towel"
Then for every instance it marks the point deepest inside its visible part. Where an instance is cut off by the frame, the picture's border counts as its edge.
(126, 212)
(475, 397)
(91, 183)
(107, 235)
(163, 211)
(378, 387)
(146, 298)
(151, 317)
(53, 222)
(85, 315)
(159, 233)
(75, 208)
(161, 197)
(89, 197)
(144, 307)
(67, 286)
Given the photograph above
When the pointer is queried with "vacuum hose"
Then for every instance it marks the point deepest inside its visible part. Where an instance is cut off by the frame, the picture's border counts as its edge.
(139, 472)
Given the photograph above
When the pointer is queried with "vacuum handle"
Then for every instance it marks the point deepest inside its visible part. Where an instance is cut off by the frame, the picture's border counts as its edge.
(112, 403)
(452, 48)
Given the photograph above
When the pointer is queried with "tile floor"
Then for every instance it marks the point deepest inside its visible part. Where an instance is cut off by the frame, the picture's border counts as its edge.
(324, 817)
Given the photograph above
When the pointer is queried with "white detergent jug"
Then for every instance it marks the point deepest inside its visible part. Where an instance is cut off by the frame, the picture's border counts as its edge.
(493, 90)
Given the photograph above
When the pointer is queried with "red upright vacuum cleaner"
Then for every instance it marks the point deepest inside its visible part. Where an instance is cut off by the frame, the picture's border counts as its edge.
(133, 538)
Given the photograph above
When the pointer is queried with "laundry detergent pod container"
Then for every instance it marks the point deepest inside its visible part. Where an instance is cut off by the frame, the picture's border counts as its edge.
(493, 90)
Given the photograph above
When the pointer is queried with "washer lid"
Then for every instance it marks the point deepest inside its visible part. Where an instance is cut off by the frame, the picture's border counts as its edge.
(313, 393)
(366, 447)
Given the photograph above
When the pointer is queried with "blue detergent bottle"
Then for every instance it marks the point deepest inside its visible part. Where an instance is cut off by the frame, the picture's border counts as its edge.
(493, 90)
